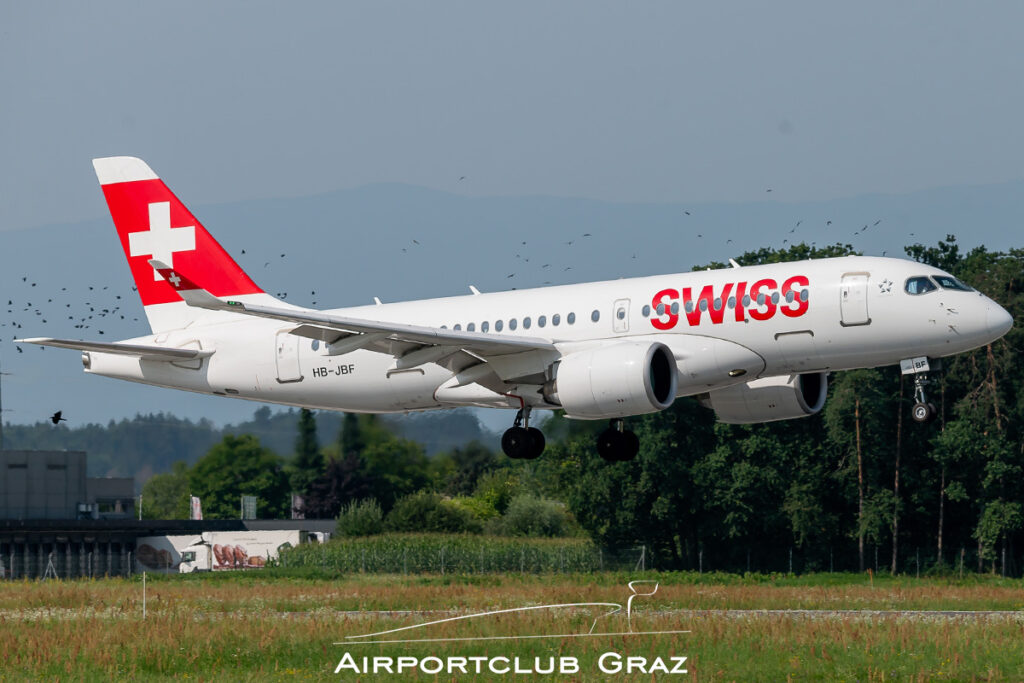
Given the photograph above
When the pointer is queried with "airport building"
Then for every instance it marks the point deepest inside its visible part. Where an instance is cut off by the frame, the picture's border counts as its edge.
(53, 485)
(57, 522)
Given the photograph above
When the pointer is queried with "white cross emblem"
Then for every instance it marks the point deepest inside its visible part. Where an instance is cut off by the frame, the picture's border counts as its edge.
(174, 280)
(162, 241)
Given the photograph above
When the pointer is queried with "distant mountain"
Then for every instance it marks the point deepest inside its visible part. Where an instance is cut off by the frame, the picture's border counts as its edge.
(344, 247)
(149, 444)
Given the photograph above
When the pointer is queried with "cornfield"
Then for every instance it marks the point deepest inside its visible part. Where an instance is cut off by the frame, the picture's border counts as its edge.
(449, 554)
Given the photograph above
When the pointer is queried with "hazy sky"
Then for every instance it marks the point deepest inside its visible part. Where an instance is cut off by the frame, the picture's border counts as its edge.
(662, 101)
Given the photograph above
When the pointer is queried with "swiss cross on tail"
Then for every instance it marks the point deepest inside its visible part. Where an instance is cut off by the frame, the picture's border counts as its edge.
(152, 223)
(161, 241)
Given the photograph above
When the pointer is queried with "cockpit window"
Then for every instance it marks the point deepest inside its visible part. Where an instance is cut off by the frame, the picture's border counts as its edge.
(919, 285)
(947, 282)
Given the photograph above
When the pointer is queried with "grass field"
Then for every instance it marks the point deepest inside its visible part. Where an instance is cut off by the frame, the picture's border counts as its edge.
(258, 626)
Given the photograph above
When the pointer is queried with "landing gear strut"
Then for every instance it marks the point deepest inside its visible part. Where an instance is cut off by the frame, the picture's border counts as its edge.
(523, 443)
(923, 410)
(617, 444)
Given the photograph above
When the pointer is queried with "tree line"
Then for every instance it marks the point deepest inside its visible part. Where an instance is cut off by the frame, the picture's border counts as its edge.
(858, 486)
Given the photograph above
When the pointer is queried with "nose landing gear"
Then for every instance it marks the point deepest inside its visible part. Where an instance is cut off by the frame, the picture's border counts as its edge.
(923, 410)
(523, 443)
(617, 444)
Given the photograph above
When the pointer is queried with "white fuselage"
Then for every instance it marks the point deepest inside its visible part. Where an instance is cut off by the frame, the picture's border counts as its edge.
(842, 313)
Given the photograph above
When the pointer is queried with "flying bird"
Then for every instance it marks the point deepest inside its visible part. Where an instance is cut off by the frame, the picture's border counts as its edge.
(56, 417)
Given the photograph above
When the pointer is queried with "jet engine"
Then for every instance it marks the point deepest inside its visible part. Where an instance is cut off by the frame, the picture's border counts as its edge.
(614, 381)
(770, 398)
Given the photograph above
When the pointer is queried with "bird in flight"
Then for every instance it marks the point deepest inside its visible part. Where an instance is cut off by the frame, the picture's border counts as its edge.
(56, 417)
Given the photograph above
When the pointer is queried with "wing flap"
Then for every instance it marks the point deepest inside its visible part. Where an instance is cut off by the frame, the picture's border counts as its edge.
(484, 344)
(143, 351)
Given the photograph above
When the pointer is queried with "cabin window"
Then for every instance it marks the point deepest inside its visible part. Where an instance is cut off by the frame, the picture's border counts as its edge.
(458, 327)
(498, 325)
(555, 319)
(689, 307)
(316, 344)
(731, 303)
(790, 295)
(675, 308)
(947, 282)
(571, 318)
(485, 326)
(775, 297)
(746, 301)
(542, 321)
(512, 324)
(919, 285)
(471, 327)
(526, 323)
(596, 315)
(804, 294)
(661, 309)
(645, 311)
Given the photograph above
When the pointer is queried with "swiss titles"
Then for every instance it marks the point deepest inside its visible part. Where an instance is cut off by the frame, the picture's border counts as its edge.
(733, 301)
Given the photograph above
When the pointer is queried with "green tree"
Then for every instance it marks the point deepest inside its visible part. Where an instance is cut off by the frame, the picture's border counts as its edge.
(394, 468)
(308, 463)
(239, 466)
(165, 495)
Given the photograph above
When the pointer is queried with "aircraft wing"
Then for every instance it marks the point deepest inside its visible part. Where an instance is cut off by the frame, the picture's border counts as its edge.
(411, 345)
(474, 342)
(143, 351)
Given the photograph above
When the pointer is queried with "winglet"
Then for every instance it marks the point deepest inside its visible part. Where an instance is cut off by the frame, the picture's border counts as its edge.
(189, 291)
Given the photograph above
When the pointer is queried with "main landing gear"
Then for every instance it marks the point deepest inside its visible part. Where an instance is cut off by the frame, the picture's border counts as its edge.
(523, 443)
(923, 410)
(617, 444)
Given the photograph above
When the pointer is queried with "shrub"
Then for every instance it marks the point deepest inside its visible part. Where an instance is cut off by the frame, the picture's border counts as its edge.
(360, 518)
(529, 515)
(497, 489)
(428, 512)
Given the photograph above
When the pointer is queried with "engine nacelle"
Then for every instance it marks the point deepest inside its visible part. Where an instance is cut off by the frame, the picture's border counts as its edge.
(620, 380)
(770, 398)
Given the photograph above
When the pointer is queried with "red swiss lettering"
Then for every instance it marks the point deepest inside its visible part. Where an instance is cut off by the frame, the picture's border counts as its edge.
(756, 294)
(797, 307)
(666, 312)
(707, 297)
(741, 290)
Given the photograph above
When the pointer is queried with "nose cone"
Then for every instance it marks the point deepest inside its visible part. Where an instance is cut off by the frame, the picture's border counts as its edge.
(999, 321)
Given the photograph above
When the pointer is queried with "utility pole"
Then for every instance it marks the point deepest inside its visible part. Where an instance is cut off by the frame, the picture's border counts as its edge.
(2, 375)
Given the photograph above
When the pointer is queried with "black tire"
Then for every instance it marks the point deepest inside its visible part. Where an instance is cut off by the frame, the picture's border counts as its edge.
(609, 445)
(630, 446)
(536, 440)
(933, 410)
(921, 412)
(516, 442)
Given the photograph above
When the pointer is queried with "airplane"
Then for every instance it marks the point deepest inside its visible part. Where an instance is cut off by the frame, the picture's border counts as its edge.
(753, 343)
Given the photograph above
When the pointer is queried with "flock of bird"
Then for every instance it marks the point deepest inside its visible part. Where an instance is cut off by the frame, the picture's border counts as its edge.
(96, 309)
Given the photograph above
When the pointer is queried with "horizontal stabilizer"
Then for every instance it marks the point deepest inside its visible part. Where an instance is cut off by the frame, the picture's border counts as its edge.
(193, 294)
(143, 351)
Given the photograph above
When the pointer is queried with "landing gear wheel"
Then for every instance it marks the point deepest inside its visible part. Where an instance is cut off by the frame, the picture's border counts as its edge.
(522, 443)
(537, 443)
(617, 446)
(631, 443)
(922, 412)
(516, 442)
(609, 443)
